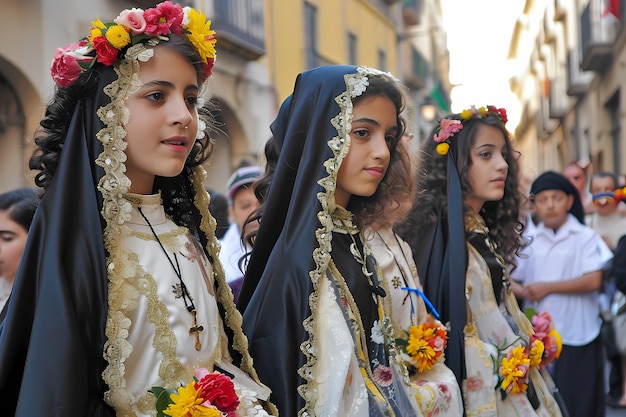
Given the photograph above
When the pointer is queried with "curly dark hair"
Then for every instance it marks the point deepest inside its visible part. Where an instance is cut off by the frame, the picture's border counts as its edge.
(50, 136)
(501, 217)
(398, 184)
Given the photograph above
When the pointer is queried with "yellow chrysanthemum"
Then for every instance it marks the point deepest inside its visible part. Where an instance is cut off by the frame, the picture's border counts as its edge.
(188, 404)
(511, 369)
(421, 352)
(118, 36)
(201, 35)
(536, 353)
(466, 114)
(483, 111)
(442, 148)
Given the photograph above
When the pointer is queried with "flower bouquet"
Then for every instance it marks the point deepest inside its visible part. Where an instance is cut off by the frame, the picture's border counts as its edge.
(545, 335)
(424, 345)
(512, 369)
(210, 394)
(514, 363)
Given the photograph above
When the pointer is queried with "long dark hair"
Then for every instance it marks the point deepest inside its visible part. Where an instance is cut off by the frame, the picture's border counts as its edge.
(501, 217)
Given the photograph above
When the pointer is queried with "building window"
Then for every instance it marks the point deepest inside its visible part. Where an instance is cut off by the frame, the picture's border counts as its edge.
(352, 45)
(613, 109)
(310, 34)
(382, 60)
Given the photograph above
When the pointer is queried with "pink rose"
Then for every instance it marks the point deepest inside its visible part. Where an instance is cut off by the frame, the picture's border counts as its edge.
(439, 344)
(65, 69)
(132, 19)
(542, 324)
(165, 18)
(448, 128)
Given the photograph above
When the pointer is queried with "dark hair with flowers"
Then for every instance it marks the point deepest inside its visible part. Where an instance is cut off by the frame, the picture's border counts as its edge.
(107, 42)
(501, 217)
(448, 127)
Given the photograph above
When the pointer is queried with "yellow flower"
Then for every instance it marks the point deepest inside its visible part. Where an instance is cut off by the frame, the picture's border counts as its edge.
(536, 353)
(97, 23)
(420, 350)
(483, 111)
(118, 36)
(442, 148)
(95, 32)
(559, 342)
(201, 35)
(466, 114)
(188, 404)
(513, 370)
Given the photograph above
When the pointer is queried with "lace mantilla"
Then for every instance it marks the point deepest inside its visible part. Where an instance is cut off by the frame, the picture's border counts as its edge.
(332, 219)
(116, 209)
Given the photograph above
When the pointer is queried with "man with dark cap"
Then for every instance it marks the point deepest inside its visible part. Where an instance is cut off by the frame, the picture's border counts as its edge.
(561, 273)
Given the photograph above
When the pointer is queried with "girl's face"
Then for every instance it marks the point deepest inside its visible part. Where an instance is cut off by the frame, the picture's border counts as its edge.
(488, 169)
(374, 128)
(163, 119)
(12, 241)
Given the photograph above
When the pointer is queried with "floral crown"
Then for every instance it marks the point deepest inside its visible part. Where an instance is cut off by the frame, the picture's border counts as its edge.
(133, 26)
(447, 128)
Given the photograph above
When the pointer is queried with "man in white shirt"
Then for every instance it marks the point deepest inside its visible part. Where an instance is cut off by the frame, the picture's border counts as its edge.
(242, 203)
(561, 273)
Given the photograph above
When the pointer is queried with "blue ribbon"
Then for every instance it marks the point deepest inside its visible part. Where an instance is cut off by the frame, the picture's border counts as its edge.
(426, 300)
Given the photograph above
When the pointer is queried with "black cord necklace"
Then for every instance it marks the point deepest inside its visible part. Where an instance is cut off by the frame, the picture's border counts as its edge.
(195, 329)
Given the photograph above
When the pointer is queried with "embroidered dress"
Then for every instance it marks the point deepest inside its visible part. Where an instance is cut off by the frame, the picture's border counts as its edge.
(160, 347)
(436, 390)
(489, 327)
(92, 274)
(313, 313)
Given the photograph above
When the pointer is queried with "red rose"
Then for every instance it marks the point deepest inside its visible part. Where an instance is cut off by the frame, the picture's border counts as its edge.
(219, 391)
(207, 69)
(105, 52)
(502, 112)
(65, 68)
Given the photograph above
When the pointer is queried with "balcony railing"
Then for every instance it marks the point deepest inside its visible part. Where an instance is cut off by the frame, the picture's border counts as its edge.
(577, 80)
(239, 27)
(597, 37)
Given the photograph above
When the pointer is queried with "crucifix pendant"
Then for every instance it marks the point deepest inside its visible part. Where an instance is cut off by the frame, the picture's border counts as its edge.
(195, 330)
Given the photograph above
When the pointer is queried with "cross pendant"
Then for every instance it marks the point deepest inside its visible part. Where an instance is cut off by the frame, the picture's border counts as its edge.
(195, 330)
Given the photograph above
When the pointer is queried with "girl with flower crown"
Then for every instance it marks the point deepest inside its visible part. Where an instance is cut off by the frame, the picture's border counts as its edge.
(464, 232)
(312, 296)
(121, 298)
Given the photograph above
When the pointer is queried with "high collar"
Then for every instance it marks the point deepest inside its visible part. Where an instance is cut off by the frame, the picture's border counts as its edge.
(151, 206)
